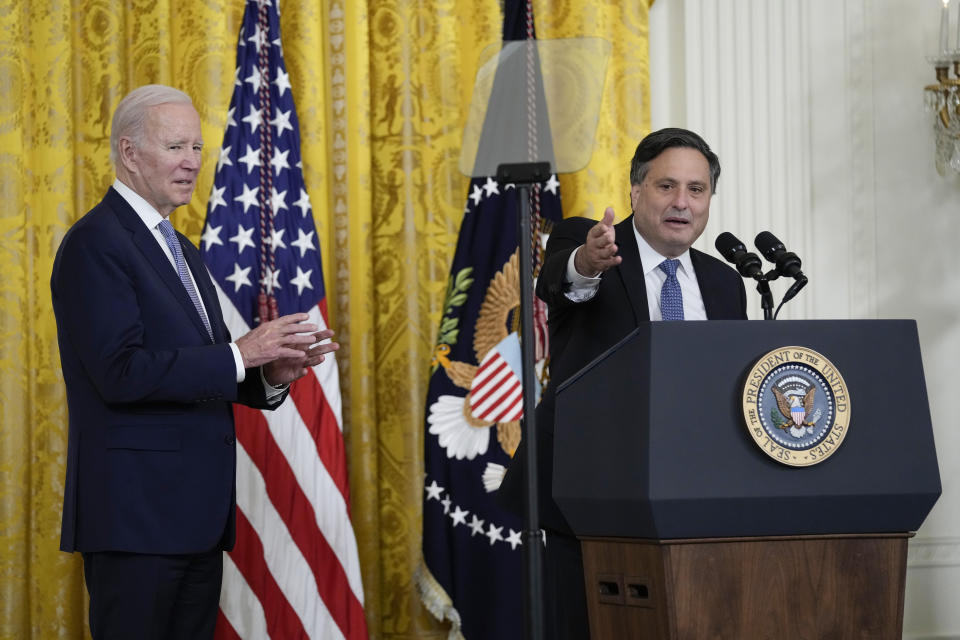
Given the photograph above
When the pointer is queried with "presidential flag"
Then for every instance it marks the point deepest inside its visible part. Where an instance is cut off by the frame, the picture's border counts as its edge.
(472, 572)
(295, 571)
(473, 560)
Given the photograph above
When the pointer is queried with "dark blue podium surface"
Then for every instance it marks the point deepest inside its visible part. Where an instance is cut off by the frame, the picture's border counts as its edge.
(651, 441)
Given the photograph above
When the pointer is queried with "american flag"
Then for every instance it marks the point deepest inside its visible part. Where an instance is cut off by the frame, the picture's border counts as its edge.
(295, 570)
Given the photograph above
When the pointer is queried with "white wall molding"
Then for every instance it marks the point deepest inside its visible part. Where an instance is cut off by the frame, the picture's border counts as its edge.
(934, 552)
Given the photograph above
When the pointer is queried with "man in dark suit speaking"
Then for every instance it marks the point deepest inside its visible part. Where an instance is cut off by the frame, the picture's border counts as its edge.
(600, 282)
(151, 373)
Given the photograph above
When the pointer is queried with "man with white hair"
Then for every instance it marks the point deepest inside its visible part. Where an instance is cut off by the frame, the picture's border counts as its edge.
(151, 372)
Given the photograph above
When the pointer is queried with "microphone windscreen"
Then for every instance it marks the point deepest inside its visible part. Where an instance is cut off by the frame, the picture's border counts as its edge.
(769, 245)
(729, 245)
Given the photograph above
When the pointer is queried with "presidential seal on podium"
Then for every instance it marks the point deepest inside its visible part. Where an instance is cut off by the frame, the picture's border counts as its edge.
(796, 406)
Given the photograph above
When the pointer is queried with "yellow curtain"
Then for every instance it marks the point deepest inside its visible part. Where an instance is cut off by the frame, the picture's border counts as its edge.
(382, 90)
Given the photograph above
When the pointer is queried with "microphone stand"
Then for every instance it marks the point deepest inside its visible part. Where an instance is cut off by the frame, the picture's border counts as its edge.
(766, 297)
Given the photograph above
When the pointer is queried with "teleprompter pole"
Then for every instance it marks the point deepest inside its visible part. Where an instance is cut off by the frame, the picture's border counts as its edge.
(523, 175)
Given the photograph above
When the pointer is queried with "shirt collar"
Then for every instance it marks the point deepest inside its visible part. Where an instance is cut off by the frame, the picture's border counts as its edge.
(650, 259)
(150, 216)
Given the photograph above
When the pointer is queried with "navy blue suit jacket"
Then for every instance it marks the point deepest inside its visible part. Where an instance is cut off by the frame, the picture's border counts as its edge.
(579, 332)
(151, 450)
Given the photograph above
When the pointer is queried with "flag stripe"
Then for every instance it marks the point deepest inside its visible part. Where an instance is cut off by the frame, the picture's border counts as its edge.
(510, 399)
(283, 621)
(282, 557)
(224, 631)
(506, 408)
(326, 372)
(492, 376)
(293, 507)
(482, 391)
(237, 604)
(496, 395)
(322, 426)
(493, 366)
(515, 410)
(309, 477)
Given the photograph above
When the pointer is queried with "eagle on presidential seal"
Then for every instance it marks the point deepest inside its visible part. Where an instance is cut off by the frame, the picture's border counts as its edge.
(796, 410)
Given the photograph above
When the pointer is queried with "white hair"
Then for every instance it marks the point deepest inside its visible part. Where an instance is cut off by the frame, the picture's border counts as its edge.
(132, 111)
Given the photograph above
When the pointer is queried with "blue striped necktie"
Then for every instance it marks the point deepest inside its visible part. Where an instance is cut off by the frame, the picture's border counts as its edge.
(174, 243)
(671, 300)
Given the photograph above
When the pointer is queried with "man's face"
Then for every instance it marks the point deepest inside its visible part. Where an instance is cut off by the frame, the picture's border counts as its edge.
(672, 204)
(163, 164)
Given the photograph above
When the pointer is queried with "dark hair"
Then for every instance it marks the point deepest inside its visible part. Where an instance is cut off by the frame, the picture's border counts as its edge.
(659, 141)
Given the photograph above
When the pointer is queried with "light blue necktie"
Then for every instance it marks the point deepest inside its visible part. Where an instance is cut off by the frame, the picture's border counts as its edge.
(671, 300)
(174, 243)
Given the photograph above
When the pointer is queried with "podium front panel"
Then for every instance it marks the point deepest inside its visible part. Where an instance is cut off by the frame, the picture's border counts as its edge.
(651, 441)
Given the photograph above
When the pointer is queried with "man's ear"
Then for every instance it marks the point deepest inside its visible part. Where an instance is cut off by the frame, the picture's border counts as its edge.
(127, 154)
(634, 192)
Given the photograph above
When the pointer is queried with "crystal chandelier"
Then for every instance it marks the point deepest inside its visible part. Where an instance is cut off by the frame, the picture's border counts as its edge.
(943, 99)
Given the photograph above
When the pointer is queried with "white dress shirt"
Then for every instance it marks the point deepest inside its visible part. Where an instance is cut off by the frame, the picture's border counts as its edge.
(582, 288)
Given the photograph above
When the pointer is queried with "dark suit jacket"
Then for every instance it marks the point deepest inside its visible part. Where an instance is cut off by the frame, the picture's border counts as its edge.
(579, 332)
(151, 449)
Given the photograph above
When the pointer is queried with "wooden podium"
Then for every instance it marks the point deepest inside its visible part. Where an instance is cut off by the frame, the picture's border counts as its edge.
(778, 588)
(690, 531)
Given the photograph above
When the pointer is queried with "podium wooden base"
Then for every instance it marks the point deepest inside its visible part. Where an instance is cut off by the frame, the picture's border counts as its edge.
(807, 587)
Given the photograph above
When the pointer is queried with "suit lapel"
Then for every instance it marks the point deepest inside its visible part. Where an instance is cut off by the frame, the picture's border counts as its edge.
(631, 270)
(145, 241)
(711, 291)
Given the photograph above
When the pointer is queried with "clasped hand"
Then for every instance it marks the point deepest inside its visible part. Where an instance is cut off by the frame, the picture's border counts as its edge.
(286, 347)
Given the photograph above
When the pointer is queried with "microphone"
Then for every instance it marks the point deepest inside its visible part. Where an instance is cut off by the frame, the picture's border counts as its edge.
(748, 264)
(787, 262)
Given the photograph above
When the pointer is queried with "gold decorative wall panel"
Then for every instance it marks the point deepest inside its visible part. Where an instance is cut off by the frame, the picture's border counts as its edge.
(382, 90)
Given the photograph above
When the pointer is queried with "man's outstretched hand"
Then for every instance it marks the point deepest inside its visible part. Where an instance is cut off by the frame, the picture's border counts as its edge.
(599, 252)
